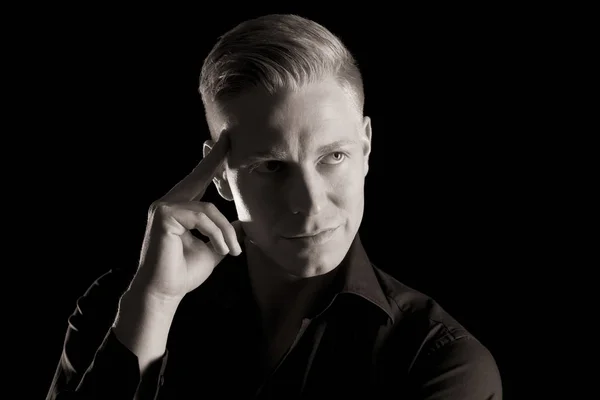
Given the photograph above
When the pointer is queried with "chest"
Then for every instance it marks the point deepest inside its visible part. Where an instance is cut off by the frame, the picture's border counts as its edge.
(304, 358)
(279, 340)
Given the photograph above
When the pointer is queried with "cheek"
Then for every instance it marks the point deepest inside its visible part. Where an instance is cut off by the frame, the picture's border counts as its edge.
(253, 200)
(241, 197)
(349, 185)
(350, 201)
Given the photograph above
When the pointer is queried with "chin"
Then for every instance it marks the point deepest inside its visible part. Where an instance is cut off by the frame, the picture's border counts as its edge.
(311, 261)
(306, 258)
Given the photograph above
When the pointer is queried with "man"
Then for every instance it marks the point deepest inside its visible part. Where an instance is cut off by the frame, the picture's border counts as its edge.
(282, 303)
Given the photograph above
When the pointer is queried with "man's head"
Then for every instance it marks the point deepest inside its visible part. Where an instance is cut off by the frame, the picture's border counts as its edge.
(291, 98)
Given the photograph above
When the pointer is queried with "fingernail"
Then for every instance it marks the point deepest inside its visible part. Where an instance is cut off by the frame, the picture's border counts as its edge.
(225, 250)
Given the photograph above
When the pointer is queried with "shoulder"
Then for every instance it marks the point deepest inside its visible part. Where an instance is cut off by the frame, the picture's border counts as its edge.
(93, 315)
(411, 307)
(462, 368)
(433, 350)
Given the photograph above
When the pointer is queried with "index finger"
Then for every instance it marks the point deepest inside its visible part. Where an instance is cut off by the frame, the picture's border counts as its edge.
(196, 182)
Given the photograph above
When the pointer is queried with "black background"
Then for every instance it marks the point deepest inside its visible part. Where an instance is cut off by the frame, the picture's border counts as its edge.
(447, 194)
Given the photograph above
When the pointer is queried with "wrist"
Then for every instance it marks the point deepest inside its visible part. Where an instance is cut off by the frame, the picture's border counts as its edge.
(141, 292)
(143, 323)
(139, 300)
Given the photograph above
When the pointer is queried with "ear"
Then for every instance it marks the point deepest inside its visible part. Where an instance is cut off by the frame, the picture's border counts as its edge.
(367, 133)
(220, 179)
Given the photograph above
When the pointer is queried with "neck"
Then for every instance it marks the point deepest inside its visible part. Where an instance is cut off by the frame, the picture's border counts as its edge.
(281, 294)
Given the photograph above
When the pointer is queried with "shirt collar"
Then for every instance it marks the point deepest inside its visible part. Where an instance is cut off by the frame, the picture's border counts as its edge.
(355, 276)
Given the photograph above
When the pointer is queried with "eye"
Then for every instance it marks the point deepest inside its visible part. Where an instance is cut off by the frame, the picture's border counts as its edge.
(337, 157)
(267, 167)
(270, 167)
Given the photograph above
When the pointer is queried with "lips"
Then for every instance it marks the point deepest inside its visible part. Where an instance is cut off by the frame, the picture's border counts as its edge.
(317, 238)
(308, 234)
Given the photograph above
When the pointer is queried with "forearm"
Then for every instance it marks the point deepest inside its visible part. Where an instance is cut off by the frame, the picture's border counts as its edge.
(143, 325)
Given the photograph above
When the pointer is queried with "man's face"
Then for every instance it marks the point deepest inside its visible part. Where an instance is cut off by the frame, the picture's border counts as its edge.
(297, 167)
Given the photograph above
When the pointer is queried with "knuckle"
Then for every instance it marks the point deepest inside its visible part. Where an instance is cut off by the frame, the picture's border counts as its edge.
(160, 208)
(206, 223)
(202, 217)
(153, 207)
(210, 207)
(231, 231)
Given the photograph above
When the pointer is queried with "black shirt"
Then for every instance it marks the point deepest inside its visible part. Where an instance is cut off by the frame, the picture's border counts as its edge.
(370, 337)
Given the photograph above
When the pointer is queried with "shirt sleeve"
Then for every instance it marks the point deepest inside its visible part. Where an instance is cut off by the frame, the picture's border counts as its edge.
(462, 368)
(114, 374)
(94, 364)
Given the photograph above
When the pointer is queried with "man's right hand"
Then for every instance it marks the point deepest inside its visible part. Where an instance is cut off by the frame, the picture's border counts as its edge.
(174, 262)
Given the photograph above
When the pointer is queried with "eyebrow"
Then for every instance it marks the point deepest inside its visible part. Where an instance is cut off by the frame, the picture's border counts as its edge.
(280, 155)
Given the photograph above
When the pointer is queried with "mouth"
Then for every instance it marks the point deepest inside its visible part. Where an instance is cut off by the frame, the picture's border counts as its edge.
(304, 235)
(318, 237)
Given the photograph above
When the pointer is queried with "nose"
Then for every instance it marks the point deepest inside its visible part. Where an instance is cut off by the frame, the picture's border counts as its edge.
(306, 192)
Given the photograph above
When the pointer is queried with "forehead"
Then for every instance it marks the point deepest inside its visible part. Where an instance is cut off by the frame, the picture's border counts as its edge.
(303, 118)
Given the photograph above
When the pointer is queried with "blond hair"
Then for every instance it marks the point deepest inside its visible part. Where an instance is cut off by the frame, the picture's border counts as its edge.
(277, 51)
